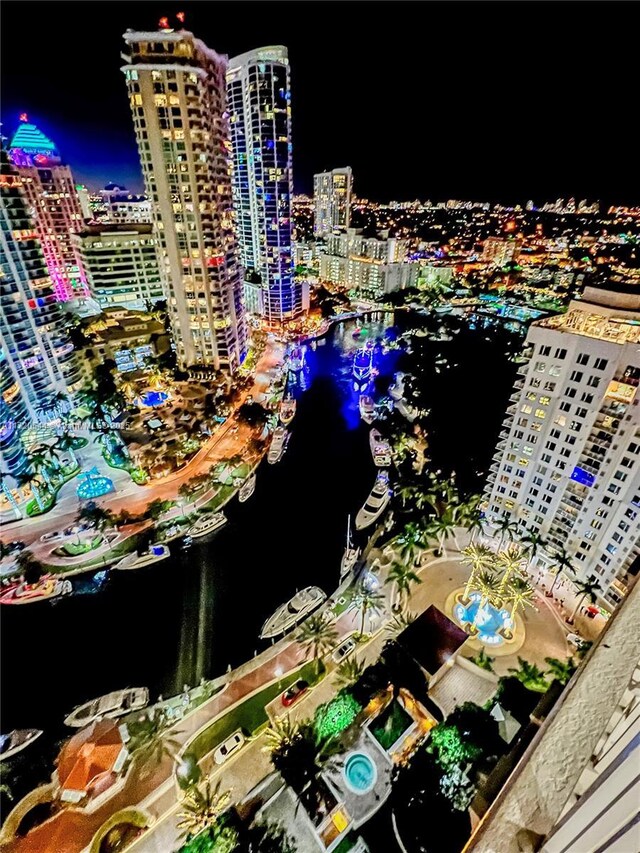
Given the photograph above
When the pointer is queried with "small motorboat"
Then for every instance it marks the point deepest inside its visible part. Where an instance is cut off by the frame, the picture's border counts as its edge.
(16, 741)
(289, 614)
(287, 410)
(278, 444)
(111, 705)
(376, 503)
(247, 489)
(207, 524)
(138, 561)
(351, 554)
(187, 541)
(380, 449)
(47, 588)
(367, 409)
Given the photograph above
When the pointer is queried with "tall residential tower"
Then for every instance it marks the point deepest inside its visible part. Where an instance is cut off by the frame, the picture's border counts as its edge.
(260, 119)
(177, 92)
(51, 192)
(568, 462)
(332, 200)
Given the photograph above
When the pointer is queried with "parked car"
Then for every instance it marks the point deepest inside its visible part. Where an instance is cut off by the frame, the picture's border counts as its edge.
(576, 640)
(294, 692)
(345, 648)
(232, 744)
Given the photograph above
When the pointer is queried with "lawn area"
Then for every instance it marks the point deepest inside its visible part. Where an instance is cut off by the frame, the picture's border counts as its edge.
(249, 716)
(48, 498)
(75, 549)
(119, 550)
(391, 724)
(218, 499)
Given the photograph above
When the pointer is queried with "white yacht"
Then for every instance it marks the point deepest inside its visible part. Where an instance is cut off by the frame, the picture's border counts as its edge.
(138, 561)
(376, 503)
(289, 614)
(207, 524)
(110, 705)
(367, 409)
(247, 489)
(380, 449)
(287, 410)
(16, 741)
(278, 444)
(350, 556)
(362, 366)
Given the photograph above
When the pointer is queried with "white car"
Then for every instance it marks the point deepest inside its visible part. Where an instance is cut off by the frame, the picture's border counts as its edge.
(232, 744)
(345, 648)
(575, 640)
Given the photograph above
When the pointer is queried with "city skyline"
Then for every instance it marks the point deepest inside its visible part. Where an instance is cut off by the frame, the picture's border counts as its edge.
(536, 129)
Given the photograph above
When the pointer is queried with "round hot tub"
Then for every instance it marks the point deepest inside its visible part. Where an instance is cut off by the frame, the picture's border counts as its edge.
(360, 773)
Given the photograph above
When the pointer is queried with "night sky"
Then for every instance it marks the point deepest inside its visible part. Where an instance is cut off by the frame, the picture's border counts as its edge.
(488, 101)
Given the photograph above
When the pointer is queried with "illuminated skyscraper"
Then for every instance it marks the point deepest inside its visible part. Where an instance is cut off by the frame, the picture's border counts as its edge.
(332, 200)
(51, 192)
(36, 357)
(258, 92)
(568, 462)
(177, 92)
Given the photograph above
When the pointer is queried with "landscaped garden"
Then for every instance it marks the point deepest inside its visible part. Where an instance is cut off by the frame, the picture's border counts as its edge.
(76, 549)
(392, 723)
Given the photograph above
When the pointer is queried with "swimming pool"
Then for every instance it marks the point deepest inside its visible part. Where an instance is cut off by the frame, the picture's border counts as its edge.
(152, 398)
(360, 773)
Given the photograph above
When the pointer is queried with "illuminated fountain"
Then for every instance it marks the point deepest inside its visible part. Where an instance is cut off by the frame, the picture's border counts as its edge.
(93, 484)
(486, 623)
(152, 399)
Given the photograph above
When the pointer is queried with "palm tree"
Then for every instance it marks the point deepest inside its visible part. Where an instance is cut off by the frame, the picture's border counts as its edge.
(561, 670)
(399, 622)
(442, 527)
(563, 563)
(530, 675)
(38, 459)
(202, 806)
(533, 543)
(507, 527)
(35, 483)
(520, 594)
(479, 557)
(488, 585)
(318, 637)
(8, 492)
(403, 577)
(411, 542)
(586, 589)
(149, 742)
(97, 516)
(349, 671)
(476, 524)
(510, 560)
(483, 661)
(65, 444)
(366, 601)
(281, 734)
(61, 402)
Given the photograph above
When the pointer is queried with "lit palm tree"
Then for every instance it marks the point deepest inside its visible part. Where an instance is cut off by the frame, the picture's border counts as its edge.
(366, 601)
(403, 577)
(129, 389)
(202, 806)
(38, 459)
(519, 594)
(561, 670)
(35, 483)
(510, 560)
(349, 671)
(411, 542)
(281, 734)
(586, 589)
(5, 476)
(488, 585)
(318, 637)
(479, 557)
(65, 444)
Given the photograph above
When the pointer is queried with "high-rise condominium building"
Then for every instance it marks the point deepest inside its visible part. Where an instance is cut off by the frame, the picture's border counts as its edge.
(35, 350)
(177, 92)
(501, 250)
(259, 99)
(332, 200)
(372, 266)
(121, 264)
(124, 206)
(568, 462)
(51, 193)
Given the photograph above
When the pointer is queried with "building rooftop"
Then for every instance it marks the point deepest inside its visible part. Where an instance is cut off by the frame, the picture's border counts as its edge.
(432, 639)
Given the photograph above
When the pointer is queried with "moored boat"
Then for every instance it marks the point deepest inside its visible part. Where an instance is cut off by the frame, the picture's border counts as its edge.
(247, 489)
(362, 366)
(351, 554)
(367, 408)
(287, 410)
(110, 705)
(278, 443)
(138, 561)
(380, 449)
(296, 359)
(376, 503)
(289, 614)
(16, 741)
(48, 587)
(207, 524)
